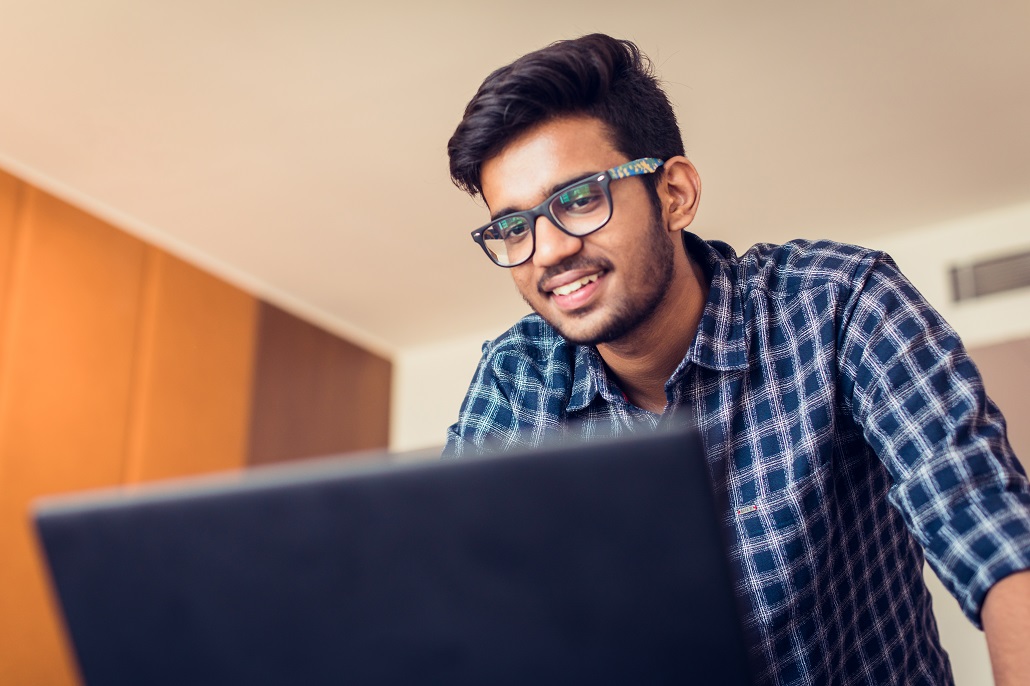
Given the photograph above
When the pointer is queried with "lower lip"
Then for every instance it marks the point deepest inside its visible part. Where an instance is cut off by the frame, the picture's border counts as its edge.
(577, 299)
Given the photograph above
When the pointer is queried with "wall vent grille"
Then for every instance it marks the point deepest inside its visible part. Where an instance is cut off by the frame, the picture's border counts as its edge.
(988, 277)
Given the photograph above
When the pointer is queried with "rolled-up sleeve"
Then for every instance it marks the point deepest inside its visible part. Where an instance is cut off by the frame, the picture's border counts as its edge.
(922, 407)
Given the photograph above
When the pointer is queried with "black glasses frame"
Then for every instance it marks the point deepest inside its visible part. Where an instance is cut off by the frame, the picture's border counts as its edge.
(644, 165)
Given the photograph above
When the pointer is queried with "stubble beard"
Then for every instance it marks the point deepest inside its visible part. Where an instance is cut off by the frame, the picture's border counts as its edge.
(633, 310)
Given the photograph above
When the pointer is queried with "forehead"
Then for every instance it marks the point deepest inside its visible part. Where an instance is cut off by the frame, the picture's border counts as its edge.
(556, 152)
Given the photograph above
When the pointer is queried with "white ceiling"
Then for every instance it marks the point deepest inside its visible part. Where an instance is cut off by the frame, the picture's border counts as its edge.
(298, 148)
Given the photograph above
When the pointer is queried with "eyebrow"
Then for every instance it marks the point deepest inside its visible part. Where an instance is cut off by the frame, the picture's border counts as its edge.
(548, 193)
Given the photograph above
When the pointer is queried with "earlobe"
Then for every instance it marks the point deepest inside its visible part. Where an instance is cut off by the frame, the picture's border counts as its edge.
(680, 189)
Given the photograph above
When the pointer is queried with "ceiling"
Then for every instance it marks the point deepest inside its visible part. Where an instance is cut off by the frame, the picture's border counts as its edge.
(297, 148)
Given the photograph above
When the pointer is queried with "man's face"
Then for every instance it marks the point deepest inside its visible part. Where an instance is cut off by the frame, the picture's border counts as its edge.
(600, 287)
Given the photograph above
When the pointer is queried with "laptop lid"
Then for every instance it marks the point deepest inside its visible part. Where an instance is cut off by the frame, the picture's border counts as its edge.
(595, 563)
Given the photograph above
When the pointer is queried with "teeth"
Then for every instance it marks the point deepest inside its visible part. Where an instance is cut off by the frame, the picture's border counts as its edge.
(575, 285)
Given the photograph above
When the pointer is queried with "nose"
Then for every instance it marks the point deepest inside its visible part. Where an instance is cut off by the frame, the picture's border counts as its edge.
(552, 244)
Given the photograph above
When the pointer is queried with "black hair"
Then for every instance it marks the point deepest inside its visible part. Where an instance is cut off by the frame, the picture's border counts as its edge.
(596, 75)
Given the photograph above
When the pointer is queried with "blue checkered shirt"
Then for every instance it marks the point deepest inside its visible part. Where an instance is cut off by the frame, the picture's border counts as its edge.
(852, 435)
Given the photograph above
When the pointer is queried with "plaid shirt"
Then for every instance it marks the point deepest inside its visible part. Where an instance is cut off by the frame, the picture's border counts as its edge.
(848, 427)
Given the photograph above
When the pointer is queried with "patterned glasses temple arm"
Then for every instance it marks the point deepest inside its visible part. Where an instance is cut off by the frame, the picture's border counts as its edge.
(644, 165)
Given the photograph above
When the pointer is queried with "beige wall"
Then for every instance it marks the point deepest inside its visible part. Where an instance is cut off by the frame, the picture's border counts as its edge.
(1006, 371)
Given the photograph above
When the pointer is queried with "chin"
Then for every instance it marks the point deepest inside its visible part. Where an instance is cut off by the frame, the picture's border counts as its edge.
(587, 329)
(596, 328)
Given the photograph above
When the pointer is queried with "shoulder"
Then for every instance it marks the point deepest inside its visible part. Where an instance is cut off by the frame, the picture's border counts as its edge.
(531, 349)
(531, 338)
(800, 265)
(520, 388)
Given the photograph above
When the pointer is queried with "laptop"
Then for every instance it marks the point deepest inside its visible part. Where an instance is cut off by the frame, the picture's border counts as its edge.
(591, 563)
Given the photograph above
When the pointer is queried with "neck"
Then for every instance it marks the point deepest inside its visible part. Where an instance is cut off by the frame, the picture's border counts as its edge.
(643, 360)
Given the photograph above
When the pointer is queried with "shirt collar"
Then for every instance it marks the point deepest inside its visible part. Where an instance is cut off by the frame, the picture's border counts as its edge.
(589, 379)
(719, 343)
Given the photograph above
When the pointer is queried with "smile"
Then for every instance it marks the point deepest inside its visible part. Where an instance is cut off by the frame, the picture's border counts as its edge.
(575, 285)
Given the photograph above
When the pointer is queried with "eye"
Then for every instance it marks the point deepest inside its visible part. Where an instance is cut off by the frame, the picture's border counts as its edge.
(582, 199)
(508, 230)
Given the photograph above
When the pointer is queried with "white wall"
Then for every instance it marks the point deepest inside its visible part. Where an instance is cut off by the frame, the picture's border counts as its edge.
(925, 255)
(430, 382)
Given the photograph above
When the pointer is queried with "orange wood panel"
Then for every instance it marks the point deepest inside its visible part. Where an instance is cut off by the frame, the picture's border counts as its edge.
(314, 393)
(65, 378)
(120, 363)
(11, 190)
(192, 385)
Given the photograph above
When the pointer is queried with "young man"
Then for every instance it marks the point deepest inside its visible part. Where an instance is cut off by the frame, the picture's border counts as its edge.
(842, 414)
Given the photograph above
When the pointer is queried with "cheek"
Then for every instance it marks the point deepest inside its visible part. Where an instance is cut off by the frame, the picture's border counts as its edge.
(523, 278)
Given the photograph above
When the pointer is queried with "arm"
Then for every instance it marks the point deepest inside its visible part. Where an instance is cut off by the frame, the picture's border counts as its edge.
(960, 487)
(1006, 620)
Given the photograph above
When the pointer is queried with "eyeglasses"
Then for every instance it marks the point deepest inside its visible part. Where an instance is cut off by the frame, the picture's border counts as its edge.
(578, 209)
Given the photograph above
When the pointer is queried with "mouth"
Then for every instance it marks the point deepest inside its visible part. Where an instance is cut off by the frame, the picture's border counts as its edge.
(578, 293)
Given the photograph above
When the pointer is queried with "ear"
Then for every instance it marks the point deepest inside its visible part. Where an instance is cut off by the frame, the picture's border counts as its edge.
(680, 192)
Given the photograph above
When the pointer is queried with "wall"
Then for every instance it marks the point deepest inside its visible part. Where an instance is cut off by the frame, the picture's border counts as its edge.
(926, 254)
(121, 363)
(314, 393)
(430, 382)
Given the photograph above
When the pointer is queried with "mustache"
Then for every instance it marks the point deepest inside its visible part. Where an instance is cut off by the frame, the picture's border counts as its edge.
(573, 263)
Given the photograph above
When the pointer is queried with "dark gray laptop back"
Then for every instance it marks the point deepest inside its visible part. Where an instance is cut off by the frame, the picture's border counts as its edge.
(600, 563)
